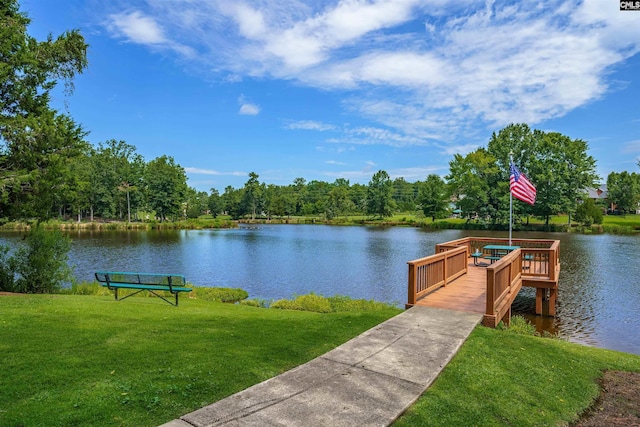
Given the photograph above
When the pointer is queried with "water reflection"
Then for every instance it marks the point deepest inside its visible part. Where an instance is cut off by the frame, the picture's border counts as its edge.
(597, 303)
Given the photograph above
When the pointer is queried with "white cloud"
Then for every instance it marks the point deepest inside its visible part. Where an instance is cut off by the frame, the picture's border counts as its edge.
(249, 110)
(137, 28)
(199, 171)
(310, 125)
(423, 70)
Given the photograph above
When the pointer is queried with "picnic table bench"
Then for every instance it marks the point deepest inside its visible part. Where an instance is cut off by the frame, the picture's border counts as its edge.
(153, 283)
(492, 253)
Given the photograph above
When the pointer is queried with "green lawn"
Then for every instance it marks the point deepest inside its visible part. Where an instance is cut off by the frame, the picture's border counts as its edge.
(73, 360)
(503, 379)
(89, 360)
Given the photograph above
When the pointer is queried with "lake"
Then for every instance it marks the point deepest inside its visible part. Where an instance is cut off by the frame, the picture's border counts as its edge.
(599, 289)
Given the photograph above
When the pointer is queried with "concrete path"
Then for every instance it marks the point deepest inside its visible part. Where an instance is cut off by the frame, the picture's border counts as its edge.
(368, 381)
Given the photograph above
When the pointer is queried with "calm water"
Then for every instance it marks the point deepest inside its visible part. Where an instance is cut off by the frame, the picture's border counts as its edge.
(598, 301)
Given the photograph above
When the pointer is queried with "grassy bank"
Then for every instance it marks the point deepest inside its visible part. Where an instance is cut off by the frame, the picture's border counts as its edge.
(501, 378)
(615, 224)
(88, 360)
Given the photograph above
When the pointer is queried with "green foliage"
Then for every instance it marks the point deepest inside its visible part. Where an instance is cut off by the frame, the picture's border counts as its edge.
(433, 197)
(35, 141)
(231, 295)
(341, 303)
(624, 190)
(41, 264)
(380, 195)
(557, 165)
(334, 304)
(519, 325)
(85, 288)
(588, 213)
(7, 279)
(309, 302)
(166, 186)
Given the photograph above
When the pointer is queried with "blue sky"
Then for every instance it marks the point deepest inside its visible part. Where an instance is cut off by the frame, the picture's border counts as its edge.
(341, 89)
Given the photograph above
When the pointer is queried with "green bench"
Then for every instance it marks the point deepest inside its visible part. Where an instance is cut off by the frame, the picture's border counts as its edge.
(153, 283)
(478, 254)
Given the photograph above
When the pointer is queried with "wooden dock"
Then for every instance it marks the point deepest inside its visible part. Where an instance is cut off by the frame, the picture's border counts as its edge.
(449, 279)
(466, 293)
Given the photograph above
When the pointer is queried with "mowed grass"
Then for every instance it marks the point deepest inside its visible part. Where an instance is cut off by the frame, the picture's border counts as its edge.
(500, 378)
(92, 361)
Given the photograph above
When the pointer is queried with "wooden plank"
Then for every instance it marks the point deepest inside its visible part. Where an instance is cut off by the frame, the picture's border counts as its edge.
(466, 293)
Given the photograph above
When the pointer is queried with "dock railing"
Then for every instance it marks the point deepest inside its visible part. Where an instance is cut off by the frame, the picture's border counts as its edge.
(540, 257)
(430, 273)
(504, 281)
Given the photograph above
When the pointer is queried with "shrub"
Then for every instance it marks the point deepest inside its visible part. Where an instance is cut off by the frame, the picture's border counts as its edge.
(587, 213)
(7, 282)
(232, 295)
(309, 302)
(41, 264)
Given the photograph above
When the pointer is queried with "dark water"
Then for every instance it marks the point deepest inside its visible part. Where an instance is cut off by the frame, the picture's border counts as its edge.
(598, 301)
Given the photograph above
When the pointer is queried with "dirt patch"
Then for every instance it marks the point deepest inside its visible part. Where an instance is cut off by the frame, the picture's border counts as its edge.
(618, 404)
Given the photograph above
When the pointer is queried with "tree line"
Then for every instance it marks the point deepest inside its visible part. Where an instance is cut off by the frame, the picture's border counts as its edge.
(49, 170)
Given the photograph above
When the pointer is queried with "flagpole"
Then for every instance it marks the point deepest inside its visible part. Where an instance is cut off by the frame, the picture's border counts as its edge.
(510, 197)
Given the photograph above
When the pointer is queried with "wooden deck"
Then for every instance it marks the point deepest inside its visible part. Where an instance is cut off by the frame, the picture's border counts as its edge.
(466, 293)
(449, 279)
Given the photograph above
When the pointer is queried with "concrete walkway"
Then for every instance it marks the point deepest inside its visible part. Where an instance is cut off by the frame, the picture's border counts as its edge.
(368, 381)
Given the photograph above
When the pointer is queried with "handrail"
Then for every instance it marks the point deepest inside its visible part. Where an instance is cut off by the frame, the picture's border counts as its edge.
(541, 257)
(504, 280)
(430, 273)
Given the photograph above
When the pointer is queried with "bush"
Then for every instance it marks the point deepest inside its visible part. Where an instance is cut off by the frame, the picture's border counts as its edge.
(587, 213)
(232, 295)
(310, 302)
(7, 282)
(41, 264)
(334, 304)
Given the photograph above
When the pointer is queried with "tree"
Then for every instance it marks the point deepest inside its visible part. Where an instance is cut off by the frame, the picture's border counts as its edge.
(473, 181)
(166, 186)
(624, 190)
(338, 201)
(588, 213)
(214, 204)
(253, 196)
(557, 165)
(404, 195)
(35, 140)
(433, 197)
(380, 195)
(39, 152)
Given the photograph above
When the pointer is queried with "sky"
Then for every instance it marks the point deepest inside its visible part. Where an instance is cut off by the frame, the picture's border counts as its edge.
(327, 89)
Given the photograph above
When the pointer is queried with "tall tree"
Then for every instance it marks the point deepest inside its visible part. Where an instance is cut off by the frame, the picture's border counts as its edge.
(557, 165)
(624, 190)
(29, 127)
(380, 195)
(433, 197)
(166, 186)
(471, 179)
(253, 197)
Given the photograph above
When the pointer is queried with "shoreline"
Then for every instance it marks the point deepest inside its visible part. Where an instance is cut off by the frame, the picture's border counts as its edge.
(613, 227)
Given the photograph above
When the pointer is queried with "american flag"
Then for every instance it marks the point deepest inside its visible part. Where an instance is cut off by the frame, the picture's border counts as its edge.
(520, 186)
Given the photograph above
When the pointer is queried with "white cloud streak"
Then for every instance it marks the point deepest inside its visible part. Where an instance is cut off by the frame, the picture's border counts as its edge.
(425, 70)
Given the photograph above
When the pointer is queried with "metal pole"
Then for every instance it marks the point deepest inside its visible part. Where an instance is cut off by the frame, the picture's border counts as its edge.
(510, 198)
